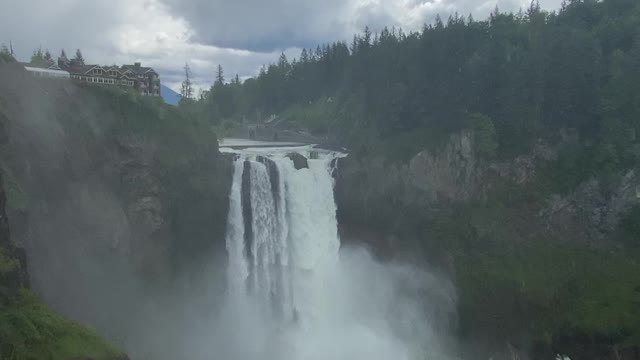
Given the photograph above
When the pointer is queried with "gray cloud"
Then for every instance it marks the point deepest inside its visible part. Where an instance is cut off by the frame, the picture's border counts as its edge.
(258, 25)
(262, 25)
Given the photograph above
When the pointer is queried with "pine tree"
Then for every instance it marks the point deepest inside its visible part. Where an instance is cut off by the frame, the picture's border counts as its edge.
(219, 76)
(366, 38)
(318, 53)
(37, 58)
(79, 59)
(187, 87)
(354, 44)
(5, 54)
(63, 60)
(48, 58)
(304, 56)
(439, 24)
(283, 63)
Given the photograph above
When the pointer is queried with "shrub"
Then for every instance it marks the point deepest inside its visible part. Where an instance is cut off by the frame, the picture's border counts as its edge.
(484, 133)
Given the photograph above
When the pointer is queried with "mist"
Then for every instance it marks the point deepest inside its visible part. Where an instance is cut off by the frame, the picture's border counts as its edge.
(371, 311)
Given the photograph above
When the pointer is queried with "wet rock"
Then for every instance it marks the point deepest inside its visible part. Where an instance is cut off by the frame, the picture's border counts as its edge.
(299, 161)
(451, 173)
(593, 209)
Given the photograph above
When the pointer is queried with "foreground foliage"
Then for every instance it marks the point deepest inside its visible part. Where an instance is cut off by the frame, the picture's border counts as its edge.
(30, 330)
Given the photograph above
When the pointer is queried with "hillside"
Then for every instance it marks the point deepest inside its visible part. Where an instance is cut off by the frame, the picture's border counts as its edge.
(113, 198)
(29, 329)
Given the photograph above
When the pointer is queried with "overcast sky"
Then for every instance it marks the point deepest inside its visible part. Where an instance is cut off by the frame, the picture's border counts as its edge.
(241, 35)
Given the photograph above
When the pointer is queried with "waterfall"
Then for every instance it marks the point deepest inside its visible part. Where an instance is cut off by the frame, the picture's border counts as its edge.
(293, 293)
(282, 235)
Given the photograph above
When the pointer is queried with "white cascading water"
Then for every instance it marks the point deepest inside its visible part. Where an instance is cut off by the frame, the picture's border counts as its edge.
(291, 293)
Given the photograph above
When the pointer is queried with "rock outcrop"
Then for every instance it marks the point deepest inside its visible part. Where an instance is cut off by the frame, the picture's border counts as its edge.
(455, 174)
(451, 173)
(299, 161)
(591, 210)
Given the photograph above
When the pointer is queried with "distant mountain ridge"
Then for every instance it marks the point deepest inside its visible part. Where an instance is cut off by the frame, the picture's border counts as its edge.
(170, 97)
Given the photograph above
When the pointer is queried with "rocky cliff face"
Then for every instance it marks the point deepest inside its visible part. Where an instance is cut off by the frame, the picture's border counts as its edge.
(374, 186)
(530, 264)
(13, 262)
(593, 210)
(452, 173)
(114, 199)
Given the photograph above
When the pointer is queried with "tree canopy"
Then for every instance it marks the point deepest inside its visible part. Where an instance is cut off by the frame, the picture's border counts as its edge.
(529, 73)
(78, 59)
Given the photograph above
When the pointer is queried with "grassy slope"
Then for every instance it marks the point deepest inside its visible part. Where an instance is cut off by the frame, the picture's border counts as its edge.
(30, 330)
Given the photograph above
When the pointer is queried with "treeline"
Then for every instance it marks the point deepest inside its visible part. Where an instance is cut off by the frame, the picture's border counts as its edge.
(530, 73)
(41, 57)
(6, 54)
(44, 58)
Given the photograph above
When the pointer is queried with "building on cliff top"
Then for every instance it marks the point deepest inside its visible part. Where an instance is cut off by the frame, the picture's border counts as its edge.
(145, 80)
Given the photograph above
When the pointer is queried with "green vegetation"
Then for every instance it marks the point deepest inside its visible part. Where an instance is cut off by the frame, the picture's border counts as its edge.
(38, 58)
(30, 330)
(5, 55)
(536, 285)
(7, 265)
(532, 74)
(16, 197)
(484, 135)
(631, 226)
